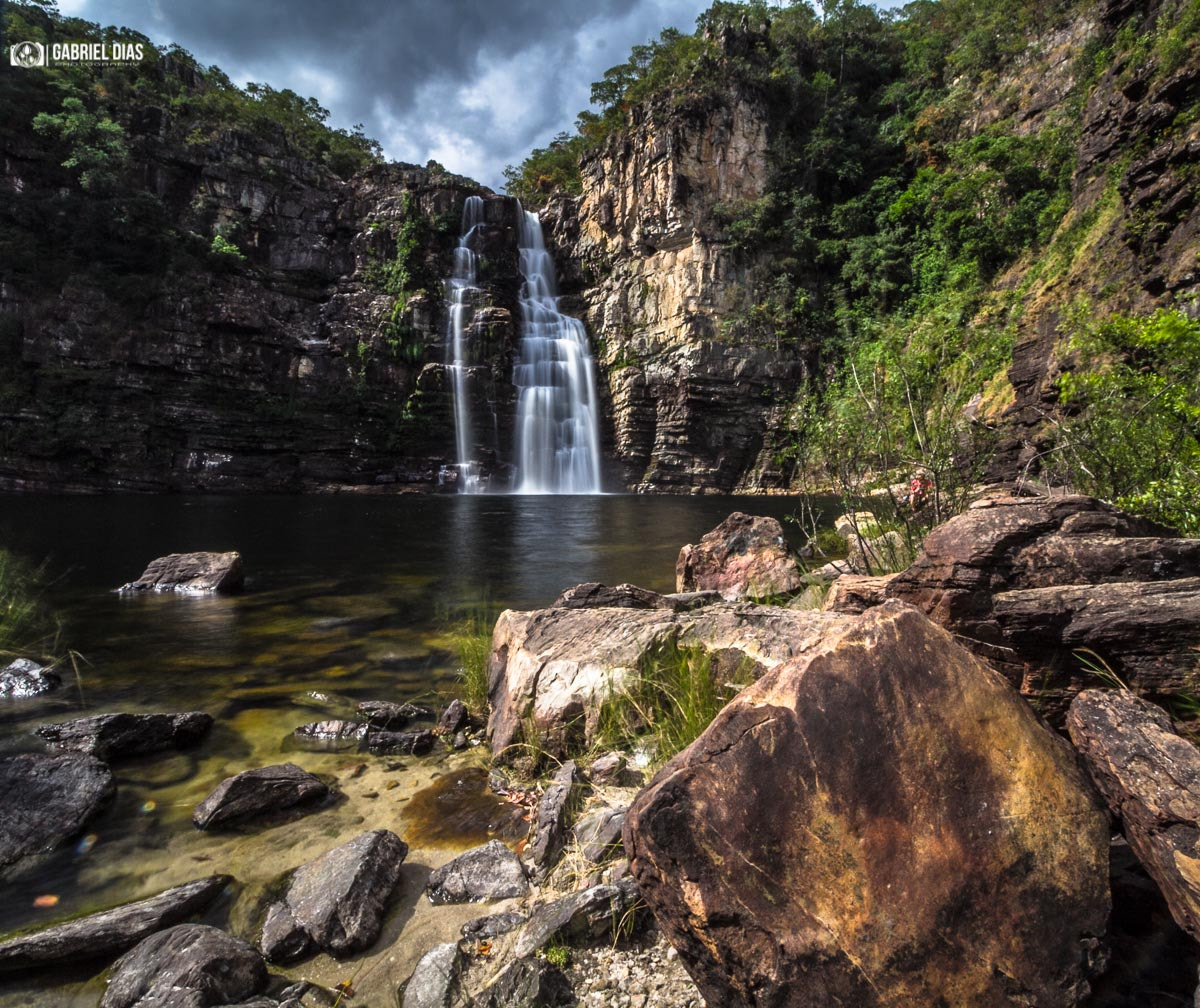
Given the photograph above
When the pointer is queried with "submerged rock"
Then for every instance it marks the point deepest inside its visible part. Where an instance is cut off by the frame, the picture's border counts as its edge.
(190, 966)
(744, 556)
(331, 736)
(336, 903)
(191, 572)
(114, 735)
(390, 716)
(1150, 777)
(253, 794)
(46, 799)
(112, 931)
(490, 872)
(23, 678)
(883, 821)
(389, 743)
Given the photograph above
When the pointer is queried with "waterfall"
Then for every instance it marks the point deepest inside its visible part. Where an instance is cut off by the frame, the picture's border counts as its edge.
(558, 440)
(462, 294)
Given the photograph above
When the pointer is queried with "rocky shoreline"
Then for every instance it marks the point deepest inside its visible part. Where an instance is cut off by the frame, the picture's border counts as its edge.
(878, 817)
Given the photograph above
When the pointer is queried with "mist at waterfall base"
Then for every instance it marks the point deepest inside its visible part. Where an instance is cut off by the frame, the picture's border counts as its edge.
(557, 448)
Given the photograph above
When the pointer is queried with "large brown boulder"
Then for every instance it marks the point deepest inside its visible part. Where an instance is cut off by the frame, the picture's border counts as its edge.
(557, 666)
(744, 556)
(1150, 777)
(881, 822)
(1027, 580)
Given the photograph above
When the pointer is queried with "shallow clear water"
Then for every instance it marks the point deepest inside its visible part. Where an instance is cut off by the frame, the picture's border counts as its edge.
(351, 595)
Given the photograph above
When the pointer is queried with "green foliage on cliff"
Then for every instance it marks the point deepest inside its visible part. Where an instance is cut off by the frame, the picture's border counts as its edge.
(98, 145)
(1131, 433)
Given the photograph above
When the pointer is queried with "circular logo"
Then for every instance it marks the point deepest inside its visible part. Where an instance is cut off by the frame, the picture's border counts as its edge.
(28, 54)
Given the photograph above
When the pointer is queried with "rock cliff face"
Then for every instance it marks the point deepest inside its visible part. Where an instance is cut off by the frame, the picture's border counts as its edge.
(689, 407)
(302, 367)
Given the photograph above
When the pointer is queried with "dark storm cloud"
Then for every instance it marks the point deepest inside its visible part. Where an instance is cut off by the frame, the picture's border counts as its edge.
(473, 85)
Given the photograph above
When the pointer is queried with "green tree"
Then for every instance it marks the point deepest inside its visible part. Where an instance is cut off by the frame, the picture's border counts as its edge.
(95, 145)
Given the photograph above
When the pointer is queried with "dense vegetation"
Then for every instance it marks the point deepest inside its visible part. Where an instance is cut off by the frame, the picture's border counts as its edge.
(893, 207)
(98, 125)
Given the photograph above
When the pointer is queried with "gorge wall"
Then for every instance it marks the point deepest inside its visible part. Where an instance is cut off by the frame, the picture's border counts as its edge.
(691, 406)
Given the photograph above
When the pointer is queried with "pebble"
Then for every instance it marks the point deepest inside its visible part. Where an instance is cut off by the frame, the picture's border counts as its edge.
(644, 974)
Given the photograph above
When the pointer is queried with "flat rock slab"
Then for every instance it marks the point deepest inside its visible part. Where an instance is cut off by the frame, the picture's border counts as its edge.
(189, 966)
(254, 794)
(490, 872)
(744, 556)
(389, 715)
(594, 595)
(559, 665)
(105, 934)
(46, 799)
(22, 678)
(400, 743)
(336, 903)
(109, 736)
(436, 981)
(589, 915)
(882, 822)
(191, 572)
(1150, 777)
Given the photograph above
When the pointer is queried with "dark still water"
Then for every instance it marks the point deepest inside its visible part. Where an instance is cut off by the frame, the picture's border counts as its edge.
(358, 596)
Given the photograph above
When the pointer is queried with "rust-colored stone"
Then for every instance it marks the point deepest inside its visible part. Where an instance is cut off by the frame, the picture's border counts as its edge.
(880, 822)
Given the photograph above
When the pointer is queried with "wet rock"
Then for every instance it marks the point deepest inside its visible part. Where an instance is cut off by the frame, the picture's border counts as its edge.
(435, 983)
(744, 556)
(23, 678)
(110, 736)
(331, 736)
(110, 932)
(454, 718)
(559, 665)
(191, 572)
(256, 793)
(598, 912)
(390, 716)
(1025, 580)
(883, 821)
(190, 966)
(594, 595)
(490, 872)
(46, 799)
(526, 982)
(549, 836)
(1150, 777)
(856, 593)
(336, 903)
(492, 926)
(389, 743)
(598, 834)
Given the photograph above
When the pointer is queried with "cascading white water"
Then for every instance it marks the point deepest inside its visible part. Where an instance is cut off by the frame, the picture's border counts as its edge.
(558, 438)
(462, 294)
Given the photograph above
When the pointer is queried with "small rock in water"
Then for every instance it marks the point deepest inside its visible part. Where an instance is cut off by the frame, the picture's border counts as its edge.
(111, 931)
(257, 793)
(23, 678)
(46, 799)
(390, 716)
(113, 735)
(490, 872)
(387, 743)
(189, 966)
(191, 572)
(331, 736)
(337, 902)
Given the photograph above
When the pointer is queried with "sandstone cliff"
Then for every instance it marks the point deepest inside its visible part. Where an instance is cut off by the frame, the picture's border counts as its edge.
(690, 405)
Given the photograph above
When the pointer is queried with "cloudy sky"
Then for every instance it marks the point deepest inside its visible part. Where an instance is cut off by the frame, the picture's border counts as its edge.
(471, 84)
